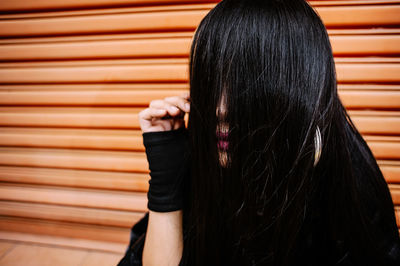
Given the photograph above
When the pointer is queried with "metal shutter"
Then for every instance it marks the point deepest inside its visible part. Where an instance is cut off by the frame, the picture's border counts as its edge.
(74, 74)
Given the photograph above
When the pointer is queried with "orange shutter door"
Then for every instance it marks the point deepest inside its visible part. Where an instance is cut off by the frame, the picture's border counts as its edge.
(74, 75)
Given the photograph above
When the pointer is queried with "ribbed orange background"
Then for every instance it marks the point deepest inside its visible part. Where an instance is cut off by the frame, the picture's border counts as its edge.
(75, 73)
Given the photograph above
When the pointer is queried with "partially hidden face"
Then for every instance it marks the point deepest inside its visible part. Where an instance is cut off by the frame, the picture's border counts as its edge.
(222, 133)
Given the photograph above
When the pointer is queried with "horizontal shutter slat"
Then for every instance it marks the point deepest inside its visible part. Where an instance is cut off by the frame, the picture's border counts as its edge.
(137, 22)
(352, 16)
(350, 2)
(366, 121)
(353, 95)
(166, 47)
(75, 159)
(65, 229)
(69, 214)
(391, 173)
(99, 87)
(346, 73)
(93, 179)
(11, 5)
(116, 181)
(395, 191)
(375, 124)
(128, 73)
(365, 45)
(75, 97)
(379, 99)
(187, 19)
(383, 148)
(8, 5)
(72, 138)
(64, 241)
(344, 34)
(79, 197)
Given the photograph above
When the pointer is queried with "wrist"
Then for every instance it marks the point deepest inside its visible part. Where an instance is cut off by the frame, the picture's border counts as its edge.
(168, 156)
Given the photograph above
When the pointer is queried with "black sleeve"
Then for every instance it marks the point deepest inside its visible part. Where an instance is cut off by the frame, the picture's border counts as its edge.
(168, 156)
(134, 251)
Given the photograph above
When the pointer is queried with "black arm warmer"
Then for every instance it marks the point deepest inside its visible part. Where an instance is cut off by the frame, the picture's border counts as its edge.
(168, 155)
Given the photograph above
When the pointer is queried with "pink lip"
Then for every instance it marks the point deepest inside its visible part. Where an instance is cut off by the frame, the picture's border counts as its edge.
(222, 140)
(223, 145)
(222, 135)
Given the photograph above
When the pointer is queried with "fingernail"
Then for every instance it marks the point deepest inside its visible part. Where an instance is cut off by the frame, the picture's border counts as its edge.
(173, 109)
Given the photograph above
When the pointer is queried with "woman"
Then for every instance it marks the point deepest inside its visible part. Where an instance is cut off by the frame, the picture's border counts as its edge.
(271, 170)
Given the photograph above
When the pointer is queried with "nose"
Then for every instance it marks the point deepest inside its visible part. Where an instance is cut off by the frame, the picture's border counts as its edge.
(221, 109)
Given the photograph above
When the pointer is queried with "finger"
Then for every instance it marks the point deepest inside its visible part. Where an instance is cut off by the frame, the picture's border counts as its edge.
(164, 125)
(186, 95)
(179, 123)
(157, 104)
(173, 110)
(150, 113)
(179, 102)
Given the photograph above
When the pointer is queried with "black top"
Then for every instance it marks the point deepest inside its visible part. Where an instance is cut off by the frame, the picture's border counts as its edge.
(315, 248)
(310, 254)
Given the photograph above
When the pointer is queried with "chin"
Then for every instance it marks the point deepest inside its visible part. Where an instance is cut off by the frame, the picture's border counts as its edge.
(223, 158)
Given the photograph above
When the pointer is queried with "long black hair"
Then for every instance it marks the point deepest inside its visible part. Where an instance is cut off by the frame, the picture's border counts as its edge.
(272, 61)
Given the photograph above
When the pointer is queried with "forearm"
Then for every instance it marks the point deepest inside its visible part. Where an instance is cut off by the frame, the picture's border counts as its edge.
(164, 239)
(168, 152)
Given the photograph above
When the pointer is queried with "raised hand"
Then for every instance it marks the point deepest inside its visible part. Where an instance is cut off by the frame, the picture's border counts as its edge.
(166, 114)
